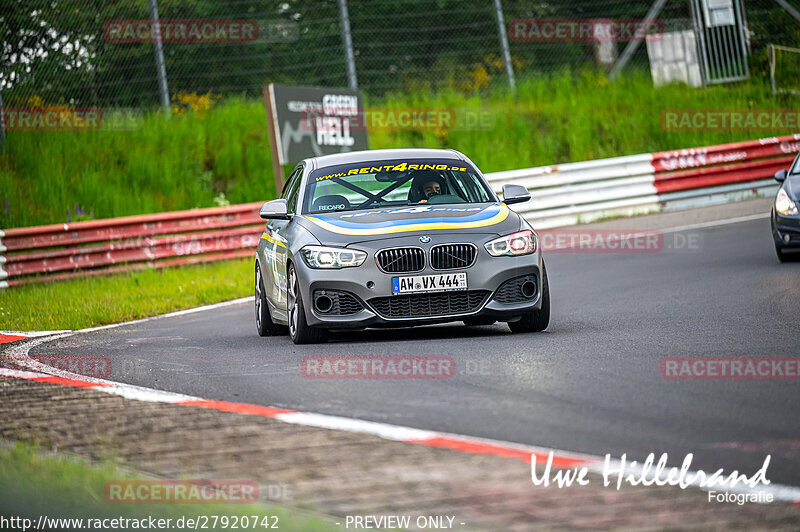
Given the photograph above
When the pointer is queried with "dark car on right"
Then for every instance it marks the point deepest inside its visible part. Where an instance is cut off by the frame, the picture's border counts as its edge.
(785, 216)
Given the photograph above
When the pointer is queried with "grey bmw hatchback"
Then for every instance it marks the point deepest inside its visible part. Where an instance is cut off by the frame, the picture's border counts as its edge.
(395, 238)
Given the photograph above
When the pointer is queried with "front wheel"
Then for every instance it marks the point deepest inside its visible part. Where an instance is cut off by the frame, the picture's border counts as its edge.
(299, 331)
(536, 320)
(264, 323)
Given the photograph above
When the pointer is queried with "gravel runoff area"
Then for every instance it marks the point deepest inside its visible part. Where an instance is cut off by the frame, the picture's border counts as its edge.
(338, 473)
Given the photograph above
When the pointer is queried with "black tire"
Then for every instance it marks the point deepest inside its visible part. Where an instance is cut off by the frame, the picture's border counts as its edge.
(537, 320)
(780, 254)
(299, 331)
(264, 324)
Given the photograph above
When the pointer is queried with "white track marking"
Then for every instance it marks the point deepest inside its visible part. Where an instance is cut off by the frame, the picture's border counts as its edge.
(715, 223)
(32, 334)
(20, 374)
(140, 393)
(385, 431)
(171, 314)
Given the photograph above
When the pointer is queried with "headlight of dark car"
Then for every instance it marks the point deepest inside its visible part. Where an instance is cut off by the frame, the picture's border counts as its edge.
(784, 204)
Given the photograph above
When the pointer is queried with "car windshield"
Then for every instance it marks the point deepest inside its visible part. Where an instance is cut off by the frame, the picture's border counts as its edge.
(368, 185)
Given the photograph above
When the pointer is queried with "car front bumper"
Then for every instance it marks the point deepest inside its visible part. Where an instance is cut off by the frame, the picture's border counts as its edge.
(785, 228)
(372, 288)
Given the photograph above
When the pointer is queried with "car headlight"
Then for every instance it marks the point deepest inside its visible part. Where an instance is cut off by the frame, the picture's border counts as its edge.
(520, 243)
(784, 204)
(325, 257)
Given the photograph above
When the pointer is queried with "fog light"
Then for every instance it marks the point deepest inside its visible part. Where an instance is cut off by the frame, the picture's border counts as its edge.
(324, 303)
(528, 289)
(786, 238)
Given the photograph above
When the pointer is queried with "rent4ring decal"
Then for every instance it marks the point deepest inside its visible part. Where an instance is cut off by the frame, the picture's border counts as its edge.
(402, 167)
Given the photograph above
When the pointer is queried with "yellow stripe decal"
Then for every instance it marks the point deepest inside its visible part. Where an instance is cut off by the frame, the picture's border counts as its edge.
(268, 238)
(501, 215)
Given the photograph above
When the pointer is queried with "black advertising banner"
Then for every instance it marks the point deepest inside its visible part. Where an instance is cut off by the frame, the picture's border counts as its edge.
(314, 121)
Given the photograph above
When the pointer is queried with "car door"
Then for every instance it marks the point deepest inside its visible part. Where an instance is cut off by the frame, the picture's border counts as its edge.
(276, 231)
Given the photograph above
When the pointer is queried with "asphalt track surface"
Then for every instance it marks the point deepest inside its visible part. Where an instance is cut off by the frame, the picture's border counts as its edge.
(591, 383)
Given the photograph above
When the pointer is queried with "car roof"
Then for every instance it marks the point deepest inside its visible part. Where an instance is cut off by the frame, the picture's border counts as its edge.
(354, 157)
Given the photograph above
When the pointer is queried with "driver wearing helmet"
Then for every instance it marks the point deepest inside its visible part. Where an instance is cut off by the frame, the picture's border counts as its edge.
(425, 185)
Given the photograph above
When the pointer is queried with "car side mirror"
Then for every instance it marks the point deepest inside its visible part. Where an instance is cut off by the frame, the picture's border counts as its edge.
(275, 210)
(515, 194)
(780, 176)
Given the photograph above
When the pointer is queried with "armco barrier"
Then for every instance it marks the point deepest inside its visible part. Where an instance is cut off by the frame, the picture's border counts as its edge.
(562, 195)
(572, 193)
(62, 251)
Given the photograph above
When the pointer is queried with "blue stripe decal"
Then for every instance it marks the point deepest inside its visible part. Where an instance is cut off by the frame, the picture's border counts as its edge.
(346, 224)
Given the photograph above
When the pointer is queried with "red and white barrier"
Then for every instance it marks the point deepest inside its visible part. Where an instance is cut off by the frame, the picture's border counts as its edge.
(572, 193)
(564, 194)
(63, 251)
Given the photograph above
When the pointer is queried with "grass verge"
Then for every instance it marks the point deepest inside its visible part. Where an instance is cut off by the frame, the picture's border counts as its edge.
(89, 302)
(36, 485)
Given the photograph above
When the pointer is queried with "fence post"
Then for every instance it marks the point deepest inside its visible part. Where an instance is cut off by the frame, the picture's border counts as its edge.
(159, 51)
(2, 125)
(501, 31)
(630, 49)
(348, 45)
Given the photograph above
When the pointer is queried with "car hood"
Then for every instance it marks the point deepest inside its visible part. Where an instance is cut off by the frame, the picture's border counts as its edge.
(792, 187)
(351, 227)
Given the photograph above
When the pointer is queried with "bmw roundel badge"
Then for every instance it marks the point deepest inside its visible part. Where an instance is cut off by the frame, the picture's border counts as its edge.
(424, 239)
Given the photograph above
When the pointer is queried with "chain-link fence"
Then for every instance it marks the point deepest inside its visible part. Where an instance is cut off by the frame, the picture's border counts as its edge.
(93, 53)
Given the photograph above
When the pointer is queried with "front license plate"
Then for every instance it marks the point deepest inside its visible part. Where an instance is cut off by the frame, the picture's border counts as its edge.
(429, 283)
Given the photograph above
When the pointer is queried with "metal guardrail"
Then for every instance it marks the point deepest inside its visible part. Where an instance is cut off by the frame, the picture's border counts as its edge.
(572, 193)
(63, 251)
(563, 194)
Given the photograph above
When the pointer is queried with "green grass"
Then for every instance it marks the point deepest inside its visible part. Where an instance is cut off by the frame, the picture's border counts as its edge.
(89, 302)
(188, 161)
(35, 484)
(165, 164)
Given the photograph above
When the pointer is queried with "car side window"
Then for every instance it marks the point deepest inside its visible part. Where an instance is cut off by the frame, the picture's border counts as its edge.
(288, 186)
(293, 189)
